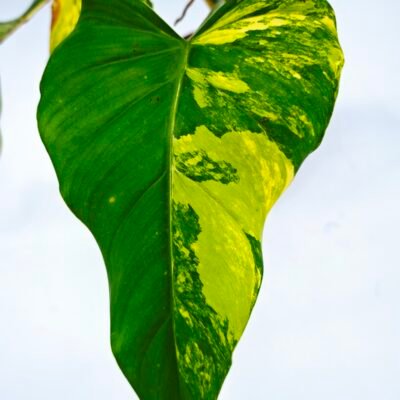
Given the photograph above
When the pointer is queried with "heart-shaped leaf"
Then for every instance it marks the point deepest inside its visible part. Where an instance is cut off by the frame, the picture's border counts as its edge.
(172, 152)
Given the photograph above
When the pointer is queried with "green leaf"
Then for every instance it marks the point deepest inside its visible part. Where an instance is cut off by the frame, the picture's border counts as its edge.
(6, 28)
(172, 153)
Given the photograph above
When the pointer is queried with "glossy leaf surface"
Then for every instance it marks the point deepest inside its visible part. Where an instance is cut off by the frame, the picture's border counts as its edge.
(172, 153)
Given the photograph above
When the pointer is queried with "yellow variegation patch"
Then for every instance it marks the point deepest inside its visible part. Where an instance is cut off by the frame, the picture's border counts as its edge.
(240, 207)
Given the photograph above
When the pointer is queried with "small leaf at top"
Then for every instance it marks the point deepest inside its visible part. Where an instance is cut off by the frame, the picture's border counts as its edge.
(173, 152)
(65, 15)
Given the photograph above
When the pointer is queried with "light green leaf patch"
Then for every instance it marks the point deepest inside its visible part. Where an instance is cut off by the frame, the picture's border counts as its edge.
(173, 152)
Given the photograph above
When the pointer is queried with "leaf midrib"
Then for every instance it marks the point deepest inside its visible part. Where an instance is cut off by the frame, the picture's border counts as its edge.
(171, 131)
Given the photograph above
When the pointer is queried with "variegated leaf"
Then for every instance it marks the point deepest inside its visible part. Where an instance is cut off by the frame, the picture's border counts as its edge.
(172, 152)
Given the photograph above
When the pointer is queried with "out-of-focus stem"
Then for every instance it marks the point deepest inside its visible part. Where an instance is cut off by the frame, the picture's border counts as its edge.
(9, 27)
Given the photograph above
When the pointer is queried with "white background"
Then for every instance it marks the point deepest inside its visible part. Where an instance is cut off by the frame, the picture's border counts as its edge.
(326, 325)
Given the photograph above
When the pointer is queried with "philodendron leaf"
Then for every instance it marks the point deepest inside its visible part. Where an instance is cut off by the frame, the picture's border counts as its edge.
(6, 28)
(172, 152)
